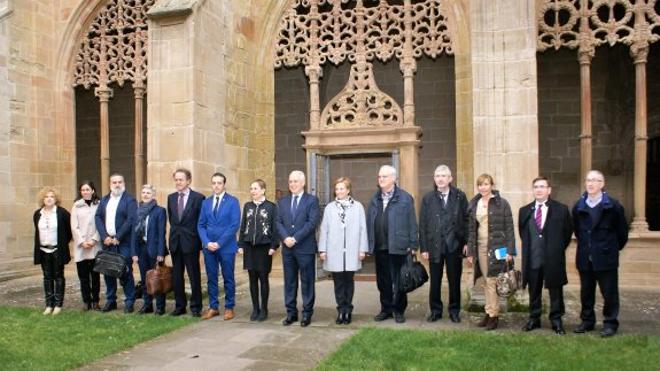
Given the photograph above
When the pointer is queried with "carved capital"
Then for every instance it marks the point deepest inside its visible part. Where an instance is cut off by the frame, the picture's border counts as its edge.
(639, 52)
(104, 93)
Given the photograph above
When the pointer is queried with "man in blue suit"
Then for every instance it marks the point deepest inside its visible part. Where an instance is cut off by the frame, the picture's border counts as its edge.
(218, 223)
(297, 218)
(114, 219)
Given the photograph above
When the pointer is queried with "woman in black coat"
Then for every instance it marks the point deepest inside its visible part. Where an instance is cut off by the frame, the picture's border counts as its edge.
(258, 242)
(490, 227)
(52, 234)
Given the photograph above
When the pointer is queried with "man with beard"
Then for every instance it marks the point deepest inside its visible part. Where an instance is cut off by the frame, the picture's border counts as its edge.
(114, 218)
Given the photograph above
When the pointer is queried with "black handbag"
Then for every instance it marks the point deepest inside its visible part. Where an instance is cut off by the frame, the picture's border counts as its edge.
(413, 275)
(110, 264)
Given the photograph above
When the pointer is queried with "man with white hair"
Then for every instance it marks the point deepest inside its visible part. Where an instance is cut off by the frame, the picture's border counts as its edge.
(114, 220)
(392, 234)
(297, 218)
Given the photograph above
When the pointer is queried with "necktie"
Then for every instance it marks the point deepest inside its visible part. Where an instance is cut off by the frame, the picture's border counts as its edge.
(539, 217)
(179, 206)
(294, 206)
(444, 201)
(217, 202)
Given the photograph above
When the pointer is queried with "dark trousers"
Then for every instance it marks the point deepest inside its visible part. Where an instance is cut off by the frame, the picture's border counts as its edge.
(388, 268)
(608, 282)
(535, 287)
(189, 262)
(147, 263)
(259, 284)
(344, 289)
(454, 264)
(127, 282)
(53, 272)
(302, 265)
(90, 281)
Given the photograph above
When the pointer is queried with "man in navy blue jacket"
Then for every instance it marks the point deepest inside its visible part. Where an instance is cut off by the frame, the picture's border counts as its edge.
(114, 220)
(297, 218)
(218, 223)
(601, 230)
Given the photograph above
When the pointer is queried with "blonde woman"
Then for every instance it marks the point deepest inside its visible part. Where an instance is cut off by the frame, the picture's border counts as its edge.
(490, 227)
(86, 243)
(52, 234)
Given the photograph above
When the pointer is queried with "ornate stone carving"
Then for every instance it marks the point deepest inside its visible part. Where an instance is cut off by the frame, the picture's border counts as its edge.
(114, 49)
(361, 103)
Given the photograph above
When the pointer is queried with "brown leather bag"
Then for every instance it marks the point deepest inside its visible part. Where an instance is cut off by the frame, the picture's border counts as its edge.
(159, 280)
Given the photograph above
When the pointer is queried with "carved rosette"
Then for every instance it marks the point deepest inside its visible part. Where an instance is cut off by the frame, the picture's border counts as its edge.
(115, 47)
(361, 103)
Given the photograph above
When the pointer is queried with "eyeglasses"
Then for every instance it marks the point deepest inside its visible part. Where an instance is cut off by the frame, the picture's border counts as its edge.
(594, 180)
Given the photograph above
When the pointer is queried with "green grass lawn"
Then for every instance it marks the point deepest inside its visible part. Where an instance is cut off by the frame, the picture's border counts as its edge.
(32, 341)
(387, 349)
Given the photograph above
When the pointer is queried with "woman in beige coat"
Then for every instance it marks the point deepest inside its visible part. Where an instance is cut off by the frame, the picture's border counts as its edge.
(86, 243)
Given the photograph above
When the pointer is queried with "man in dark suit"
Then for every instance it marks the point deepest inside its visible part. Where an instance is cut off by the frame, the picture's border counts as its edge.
(442, 239)
(114, 220)
(601, 230)
(545, 229)
(297, 218)
(183, 208)
(218, 223)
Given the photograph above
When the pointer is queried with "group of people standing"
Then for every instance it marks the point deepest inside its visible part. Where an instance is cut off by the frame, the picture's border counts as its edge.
(450, 228)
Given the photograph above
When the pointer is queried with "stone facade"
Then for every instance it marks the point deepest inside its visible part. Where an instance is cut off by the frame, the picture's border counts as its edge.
(214, 103)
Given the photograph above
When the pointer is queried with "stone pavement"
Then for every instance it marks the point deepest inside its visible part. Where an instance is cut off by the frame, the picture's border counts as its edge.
(243, 345)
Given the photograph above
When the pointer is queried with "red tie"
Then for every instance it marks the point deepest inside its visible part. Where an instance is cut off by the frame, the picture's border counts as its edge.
(539, 217)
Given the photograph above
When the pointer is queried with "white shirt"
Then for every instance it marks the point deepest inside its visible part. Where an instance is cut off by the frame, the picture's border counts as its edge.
(544, 212)
(48, 230)
(217, 199)
(593, 202)
(293, 197)
(111, 214)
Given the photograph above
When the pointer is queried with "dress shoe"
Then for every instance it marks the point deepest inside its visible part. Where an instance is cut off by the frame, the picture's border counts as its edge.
(492, 323)
(109, 306)
(559, 329)
(96, 306)
(229, 314)
(289, 320)
(305, 321)
(382, 316)
(177, 312)
(48, 311)
(159, 312)
(484, 321)
(196, 314)
(604, 333)
(263, 315)
(128, 309)
(340, 318)
(433, 317)
(399, 318)
(57, 311)
(583, 327)
(210, 313)
(348, 317)
(254, 315)
(146, 309)
(532, 324)
(455, 317)
(86, 307)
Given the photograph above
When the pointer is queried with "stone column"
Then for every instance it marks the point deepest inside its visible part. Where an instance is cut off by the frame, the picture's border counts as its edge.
(408, 67)
(639, 223)
(585, 113)
(139, 90)
(104, 94)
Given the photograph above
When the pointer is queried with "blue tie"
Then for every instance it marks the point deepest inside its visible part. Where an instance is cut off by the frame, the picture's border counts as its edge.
(294, 207)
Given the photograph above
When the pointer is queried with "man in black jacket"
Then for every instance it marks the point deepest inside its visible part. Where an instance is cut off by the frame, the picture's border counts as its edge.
(601, 230)
(545, 229)
(183, 208)
(442, 240)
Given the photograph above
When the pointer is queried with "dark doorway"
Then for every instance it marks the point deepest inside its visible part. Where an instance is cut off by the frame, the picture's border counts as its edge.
(652, 180)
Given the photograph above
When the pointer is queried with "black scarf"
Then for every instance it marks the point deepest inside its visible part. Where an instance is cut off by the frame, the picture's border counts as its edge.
(142, 212)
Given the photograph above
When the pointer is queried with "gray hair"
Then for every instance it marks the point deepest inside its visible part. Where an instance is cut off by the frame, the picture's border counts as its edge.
(391, 169)
(297, 174)
(597, 172)
(442, 169)
(150, 187)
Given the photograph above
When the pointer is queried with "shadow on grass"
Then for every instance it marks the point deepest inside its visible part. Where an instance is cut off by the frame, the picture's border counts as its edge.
(387, 349)
(32, 341)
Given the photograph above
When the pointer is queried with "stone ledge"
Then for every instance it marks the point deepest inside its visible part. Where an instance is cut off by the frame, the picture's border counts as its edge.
(171, 9)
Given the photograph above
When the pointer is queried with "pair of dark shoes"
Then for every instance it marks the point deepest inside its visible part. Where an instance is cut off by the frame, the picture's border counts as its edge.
(91, 306)
(259, 315)
(490, 323)
(182, 311)
(146, 309)
(586, 327)
(534, 323)
(306, 320)
(109, 306)
(435, 316)
(344, 318)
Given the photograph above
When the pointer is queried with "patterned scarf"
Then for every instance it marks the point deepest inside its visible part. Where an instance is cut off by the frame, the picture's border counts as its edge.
(342, 206)
(142, 212)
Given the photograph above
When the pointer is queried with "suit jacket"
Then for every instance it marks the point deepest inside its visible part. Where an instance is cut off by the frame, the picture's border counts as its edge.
(124, 219)
(432, 234)
(221, 226)
(402, 230)
(183, 233)
(302, 227)
(155, 234)
(557, 232)
(63, 235)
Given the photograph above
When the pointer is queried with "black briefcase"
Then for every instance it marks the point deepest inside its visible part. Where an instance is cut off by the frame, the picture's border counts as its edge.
(110, 264)
(413, 275)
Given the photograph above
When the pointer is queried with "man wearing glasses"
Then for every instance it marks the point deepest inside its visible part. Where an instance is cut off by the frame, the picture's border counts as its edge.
(601, 230)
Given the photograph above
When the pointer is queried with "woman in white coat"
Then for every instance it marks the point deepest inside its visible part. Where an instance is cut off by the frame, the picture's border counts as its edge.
(87, 243)
(343, 245)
